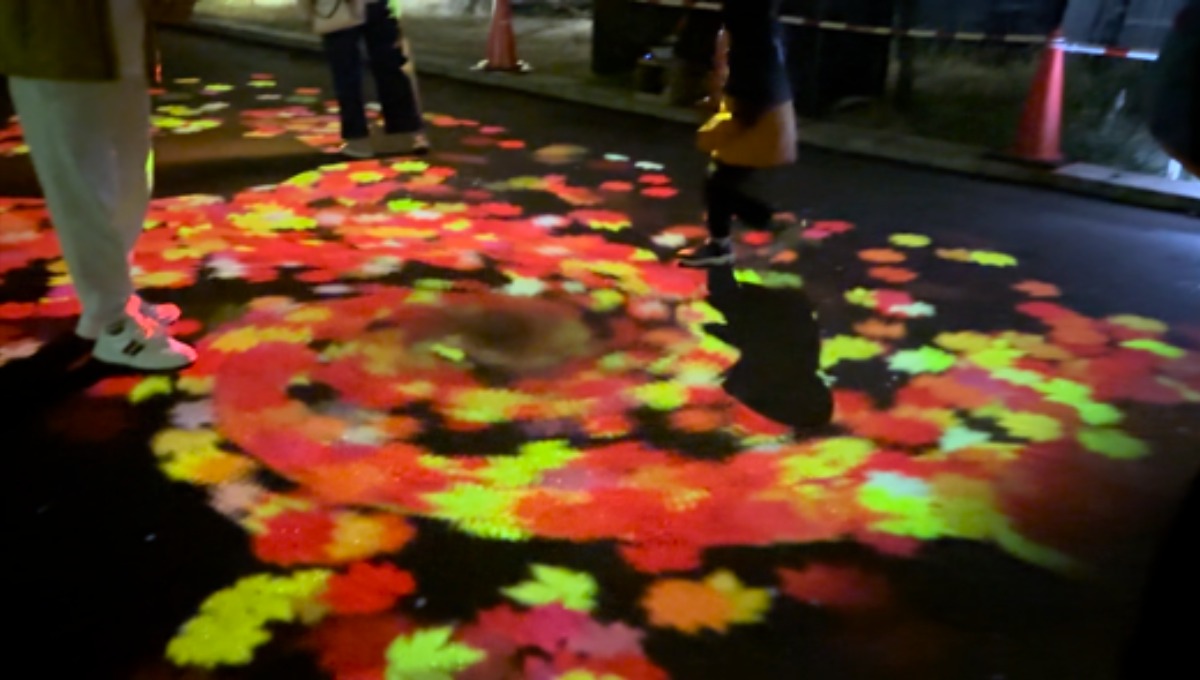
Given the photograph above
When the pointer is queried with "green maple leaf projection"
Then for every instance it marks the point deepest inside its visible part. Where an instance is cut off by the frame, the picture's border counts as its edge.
(768, 279)
(553, 585)
(848, 348)
(1113, 443)
(404, 205)
(662, 396)
(924, 360)
(910, 240)
(991, 259)
(1162, 349)
(429, 655)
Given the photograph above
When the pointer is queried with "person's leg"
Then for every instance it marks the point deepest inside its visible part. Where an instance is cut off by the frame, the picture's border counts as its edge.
(726, 187)
(722, 188)
(397, 96)
(73, 130)
(345, 64)
(134, 182)
(731, 181)
(753, 212)
(132, 147)
(69, 128)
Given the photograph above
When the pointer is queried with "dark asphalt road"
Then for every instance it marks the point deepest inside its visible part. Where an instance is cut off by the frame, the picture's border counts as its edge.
(1109, 257)
(1016, 373)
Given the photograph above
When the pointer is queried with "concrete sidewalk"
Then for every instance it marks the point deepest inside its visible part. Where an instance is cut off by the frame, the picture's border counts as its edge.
(558, 49)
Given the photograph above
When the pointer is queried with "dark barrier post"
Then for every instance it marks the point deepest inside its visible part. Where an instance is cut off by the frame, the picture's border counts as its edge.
(905, 53)
(803, 44)
(623, 30)
(832, 66)
(694, 57)
(614, 44)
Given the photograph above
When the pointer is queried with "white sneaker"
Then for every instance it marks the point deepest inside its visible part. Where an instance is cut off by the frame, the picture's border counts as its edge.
(165, 314)
(141, 343)
(358, 148)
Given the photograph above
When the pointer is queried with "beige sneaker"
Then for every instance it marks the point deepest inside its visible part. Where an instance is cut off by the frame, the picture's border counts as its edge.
(421, 145)
(358, 148)
(406, 144)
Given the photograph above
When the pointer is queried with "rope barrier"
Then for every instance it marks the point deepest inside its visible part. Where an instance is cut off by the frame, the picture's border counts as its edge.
(933, 34)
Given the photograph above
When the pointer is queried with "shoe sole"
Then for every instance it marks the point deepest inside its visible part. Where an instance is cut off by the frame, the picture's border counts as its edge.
(178, 363)
(707, 262)
(144, 369)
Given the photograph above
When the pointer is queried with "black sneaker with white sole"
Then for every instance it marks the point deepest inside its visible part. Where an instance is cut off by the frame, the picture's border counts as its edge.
(711, 254)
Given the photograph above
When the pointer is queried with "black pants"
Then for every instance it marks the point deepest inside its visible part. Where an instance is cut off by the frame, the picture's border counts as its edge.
(397, 96)
(7, 110)
(726, 196)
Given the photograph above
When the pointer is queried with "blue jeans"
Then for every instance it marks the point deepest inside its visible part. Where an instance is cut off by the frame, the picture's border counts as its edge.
(381, 33)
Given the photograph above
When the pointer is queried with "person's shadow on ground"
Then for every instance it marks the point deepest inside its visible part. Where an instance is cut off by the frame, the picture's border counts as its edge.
(1166, 628)
(780, 343)
(61, 367)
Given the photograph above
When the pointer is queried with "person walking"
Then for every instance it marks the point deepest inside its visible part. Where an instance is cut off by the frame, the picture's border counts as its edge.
(755, 129)
(79, 78)
(1165, 629)
(1174, 119)
(345, 26)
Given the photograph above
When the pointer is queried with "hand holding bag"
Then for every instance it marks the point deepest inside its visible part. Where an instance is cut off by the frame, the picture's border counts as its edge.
(717, 131)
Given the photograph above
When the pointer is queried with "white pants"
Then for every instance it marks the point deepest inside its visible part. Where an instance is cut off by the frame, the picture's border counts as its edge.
(90, 143)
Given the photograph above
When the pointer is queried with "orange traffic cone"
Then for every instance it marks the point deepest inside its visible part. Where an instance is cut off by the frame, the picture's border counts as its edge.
(502, 43)
(1039, 139)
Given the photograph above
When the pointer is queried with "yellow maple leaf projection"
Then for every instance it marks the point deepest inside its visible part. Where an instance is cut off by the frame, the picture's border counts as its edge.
(718, 602)
(234, 622)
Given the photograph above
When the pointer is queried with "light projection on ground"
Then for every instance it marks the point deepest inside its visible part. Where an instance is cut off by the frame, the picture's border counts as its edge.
(397, 347)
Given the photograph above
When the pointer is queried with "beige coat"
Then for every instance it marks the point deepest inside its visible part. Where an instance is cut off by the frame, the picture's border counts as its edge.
(55, 40)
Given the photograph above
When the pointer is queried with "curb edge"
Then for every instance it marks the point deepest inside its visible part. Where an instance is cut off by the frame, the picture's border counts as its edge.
(954, 158)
